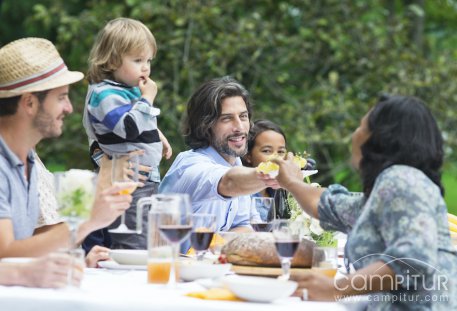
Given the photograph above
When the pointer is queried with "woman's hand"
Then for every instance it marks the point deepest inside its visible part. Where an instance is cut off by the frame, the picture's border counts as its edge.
(289, 172)
(318, 286)
(104, 175)
(96, 254)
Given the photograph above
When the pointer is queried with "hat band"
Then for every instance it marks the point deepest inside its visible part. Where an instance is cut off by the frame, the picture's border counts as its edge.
(33, 80)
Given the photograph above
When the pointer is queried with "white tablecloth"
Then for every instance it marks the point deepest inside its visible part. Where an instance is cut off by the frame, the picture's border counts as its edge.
(113, 290)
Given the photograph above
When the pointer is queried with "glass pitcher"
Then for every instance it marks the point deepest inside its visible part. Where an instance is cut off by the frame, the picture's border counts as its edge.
(159, 250)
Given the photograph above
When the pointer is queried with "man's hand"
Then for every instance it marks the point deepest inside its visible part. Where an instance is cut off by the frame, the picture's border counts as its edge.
(268, 181)
(51, 271)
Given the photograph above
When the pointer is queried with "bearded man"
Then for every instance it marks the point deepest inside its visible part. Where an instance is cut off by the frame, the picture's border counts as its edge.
(216, 128)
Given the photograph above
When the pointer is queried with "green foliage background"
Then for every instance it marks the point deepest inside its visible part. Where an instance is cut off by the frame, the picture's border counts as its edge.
(313, 66)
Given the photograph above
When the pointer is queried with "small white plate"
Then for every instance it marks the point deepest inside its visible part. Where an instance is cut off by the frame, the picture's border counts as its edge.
(274, 174)
(193, 270)
(112, 265)
(16, 259)
(259, 289)
(134, 257)
(308, 173)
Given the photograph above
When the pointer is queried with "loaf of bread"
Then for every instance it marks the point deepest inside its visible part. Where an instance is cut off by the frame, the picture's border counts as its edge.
(258, 249)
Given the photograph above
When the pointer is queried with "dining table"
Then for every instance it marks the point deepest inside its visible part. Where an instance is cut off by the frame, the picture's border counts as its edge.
(116, 290)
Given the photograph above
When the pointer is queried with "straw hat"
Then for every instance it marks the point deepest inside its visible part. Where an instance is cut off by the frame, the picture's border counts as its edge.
(32, 65)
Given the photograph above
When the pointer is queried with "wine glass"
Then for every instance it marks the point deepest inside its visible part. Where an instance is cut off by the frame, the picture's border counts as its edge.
(287, 235)
(74, 191)
(325, 260)
(175, 224)
(262, 213)
(124, 174)
(204, 226)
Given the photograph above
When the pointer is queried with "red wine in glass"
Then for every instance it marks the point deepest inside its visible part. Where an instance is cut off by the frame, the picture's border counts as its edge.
(287, 234)
(201, 240)
(286, 249)
(175, 233)
(204, 226)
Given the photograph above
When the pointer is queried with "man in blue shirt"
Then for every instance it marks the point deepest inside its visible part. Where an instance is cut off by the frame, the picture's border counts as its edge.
(34, 86)
(216, 128)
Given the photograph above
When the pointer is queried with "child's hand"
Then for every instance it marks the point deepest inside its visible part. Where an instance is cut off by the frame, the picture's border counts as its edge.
(96, 254)
(148, 89)
(167, 151)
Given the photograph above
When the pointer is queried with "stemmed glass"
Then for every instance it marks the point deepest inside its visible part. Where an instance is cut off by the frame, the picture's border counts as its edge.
(74, 191)
(262, 213)
(204, 226)
(175, 225)
(125, 174)
(325, 260)
(287, 235)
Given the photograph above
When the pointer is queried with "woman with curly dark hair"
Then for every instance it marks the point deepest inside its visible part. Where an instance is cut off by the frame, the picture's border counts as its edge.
(398, 236)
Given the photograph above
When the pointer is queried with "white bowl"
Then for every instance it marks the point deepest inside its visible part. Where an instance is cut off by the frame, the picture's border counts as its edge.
(193, 270)
(259, 289)
(129, 256)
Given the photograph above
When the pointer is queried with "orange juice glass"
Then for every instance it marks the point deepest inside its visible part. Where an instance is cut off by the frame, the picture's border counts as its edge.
(159, 272)
(325, 260)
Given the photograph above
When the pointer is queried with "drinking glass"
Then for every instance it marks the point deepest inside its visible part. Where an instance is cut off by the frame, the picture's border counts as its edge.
(325, 260)
(125, 174)
(204, 226)
(175, 224)
(287, 235)
(262, 213)
(74, 191)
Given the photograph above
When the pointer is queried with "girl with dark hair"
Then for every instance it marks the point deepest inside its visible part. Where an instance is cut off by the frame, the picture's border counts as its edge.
(398, 236)
(265, 139)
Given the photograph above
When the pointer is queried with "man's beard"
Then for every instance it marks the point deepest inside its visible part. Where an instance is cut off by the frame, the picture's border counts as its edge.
(45, 124)
(222, 147)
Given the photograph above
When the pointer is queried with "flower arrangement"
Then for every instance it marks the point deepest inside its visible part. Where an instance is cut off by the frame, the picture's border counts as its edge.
(75, 191)
(312, 227)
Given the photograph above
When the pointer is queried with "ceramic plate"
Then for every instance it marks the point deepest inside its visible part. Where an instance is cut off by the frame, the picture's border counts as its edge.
(112, 265)
(193, 270)
(259, 289)
(133, 257)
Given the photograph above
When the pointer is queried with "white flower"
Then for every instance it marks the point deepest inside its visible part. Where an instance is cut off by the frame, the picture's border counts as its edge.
(315, 227)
